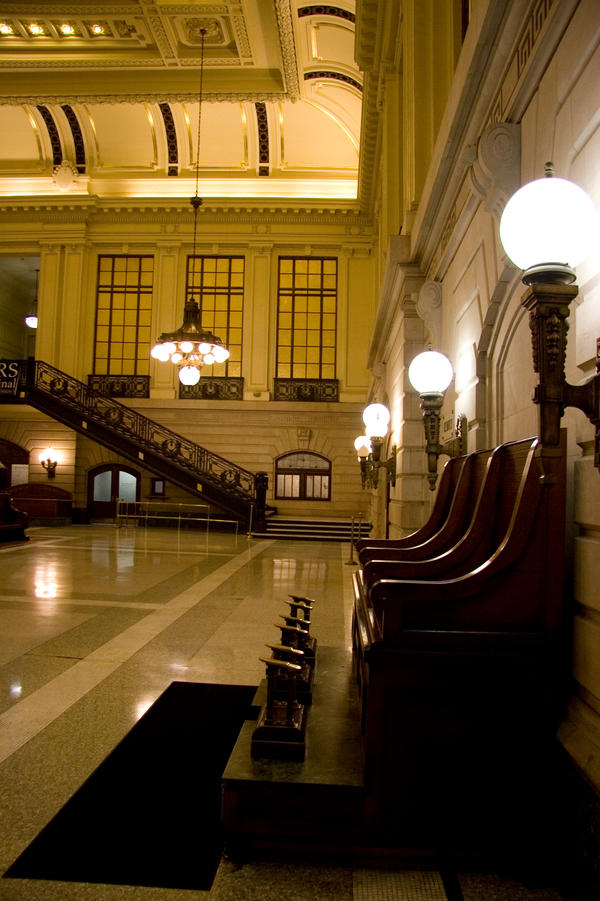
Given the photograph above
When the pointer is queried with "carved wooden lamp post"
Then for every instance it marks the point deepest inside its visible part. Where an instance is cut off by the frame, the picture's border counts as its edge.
(547, 228)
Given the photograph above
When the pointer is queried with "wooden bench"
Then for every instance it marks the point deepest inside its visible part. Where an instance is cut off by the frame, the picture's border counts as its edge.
(439, 514)
(42, 501)
(478, 520)
(460, 484)
(12, 522)
(459, 658)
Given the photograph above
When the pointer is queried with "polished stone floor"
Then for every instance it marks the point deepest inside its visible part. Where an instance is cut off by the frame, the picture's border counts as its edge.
(95, 623)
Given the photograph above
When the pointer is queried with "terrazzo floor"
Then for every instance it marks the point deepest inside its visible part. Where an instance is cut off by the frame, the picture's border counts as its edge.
(96, 622)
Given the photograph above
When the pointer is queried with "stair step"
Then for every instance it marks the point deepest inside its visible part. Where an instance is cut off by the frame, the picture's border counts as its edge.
(314, 530)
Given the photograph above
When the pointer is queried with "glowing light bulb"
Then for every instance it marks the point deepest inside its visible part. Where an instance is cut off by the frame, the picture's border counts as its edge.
(220, 353)
(189, 375)
(430, 372)
(160, 352)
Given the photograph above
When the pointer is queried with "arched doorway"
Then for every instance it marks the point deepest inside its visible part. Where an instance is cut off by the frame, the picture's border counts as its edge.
(106, 484)
(303, 476)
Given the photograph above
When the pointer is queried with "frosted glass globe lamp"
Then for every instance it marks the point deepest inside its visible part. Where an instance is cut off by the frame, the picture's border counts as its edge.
(547, 228)
(430, 372)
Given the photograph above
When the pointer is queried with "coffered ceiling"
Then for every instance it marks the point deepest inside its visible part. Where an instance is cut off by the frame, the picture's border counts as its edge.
(102, 99)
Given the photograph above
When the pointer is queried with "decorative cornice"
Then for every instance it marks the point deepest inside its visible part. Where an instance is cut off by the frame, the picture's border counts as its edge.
(353, 228)
(163, 97)
(288, 48)
(238, 24)
(159, 33)
(477, 155)
(369, 142)
(366, 30)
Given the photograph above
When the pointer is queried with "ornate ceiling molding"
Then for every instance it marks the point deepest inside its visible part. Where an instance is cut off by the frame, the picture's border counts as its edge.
(288, 48)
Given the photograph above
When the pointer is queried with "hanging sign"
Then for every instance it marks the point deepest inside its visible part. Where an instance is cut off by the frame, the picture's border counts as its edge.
(9, 376)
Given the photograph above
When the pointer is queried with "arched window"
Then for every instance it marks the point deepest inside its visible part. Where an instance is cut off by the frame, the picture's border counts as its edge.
(303, 476)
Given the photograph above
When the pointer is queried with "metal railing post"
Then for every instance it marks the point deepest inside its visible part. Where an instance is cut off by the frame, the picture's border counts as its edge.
(351, 561)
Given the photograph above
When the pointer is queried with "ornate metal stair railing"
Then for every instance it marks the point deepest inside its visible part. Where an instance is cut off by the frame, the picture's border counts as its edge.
(39, 378)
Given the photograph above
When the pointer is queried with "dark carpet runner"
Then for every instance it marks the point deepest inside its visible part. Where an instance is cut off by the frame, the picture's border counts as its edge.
(150, 814)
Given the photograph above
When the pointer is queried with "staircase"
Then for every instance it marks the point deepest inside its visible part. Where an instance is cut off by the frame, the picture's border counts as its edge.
(237, 492)
(314, 529)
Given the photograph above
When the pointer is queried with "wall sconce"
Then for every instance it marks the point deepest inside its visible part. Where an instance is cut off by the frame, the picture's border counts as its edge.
(376, 418)
(430, 373)
(49, 459)
(363, 450)
(549, 226)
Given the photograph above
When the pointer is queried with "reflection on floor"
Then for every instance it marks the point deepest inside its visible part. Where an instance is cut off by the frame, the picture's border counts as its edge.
(95, 623)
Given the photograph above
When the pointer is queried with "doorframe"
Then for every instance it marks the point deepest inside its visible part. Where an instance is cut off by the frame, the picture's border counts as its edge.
(113, 468)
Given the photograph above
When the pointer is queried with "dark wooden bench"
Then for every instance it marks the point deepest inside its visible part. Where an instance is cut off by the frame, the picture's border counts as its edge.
(443, 501)
(12, 522)
(478, 520)
(450, 518)
(43, 501)
(460, 659)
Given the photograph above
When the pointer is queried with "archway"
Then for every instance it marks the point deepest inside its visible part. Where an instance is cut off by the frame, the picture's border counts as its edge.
(108, 483)
(302, 476)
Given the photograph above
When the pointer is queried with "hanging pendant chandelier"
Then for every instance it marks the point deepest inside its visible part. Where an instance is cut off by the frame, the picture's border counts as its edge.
(190, 347)
(32, 317)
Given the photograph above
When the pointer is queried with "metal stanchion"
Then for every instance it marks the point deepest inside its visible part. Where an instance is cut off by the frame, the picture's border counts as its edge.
(352, 561)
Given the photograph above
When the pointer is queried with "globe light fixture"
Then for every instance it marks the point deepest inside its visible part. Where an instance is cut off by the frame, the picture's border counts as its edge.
(31, 319)
(547, 228)
(376, 418)
(362, 446)
(191, 347)
(430, 374)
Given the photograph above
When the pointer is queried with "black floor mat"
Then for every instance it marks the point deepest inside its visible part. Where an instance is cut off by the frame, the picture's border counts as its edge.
(150, 814)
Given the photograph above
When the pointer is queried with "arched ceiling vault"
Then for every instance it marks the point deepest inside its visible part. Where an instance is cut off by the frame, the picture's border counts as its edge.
(101, 99)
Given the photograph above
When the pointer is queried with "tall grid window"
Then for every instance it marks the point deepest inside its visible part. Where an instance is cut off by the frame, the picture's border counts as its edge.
(306, 318)
(123, 315)
(218, 285)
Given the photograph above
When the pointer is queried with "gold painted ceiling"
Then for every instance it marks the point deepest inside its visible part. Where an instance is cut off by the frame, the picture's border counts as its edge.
(102, 99)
